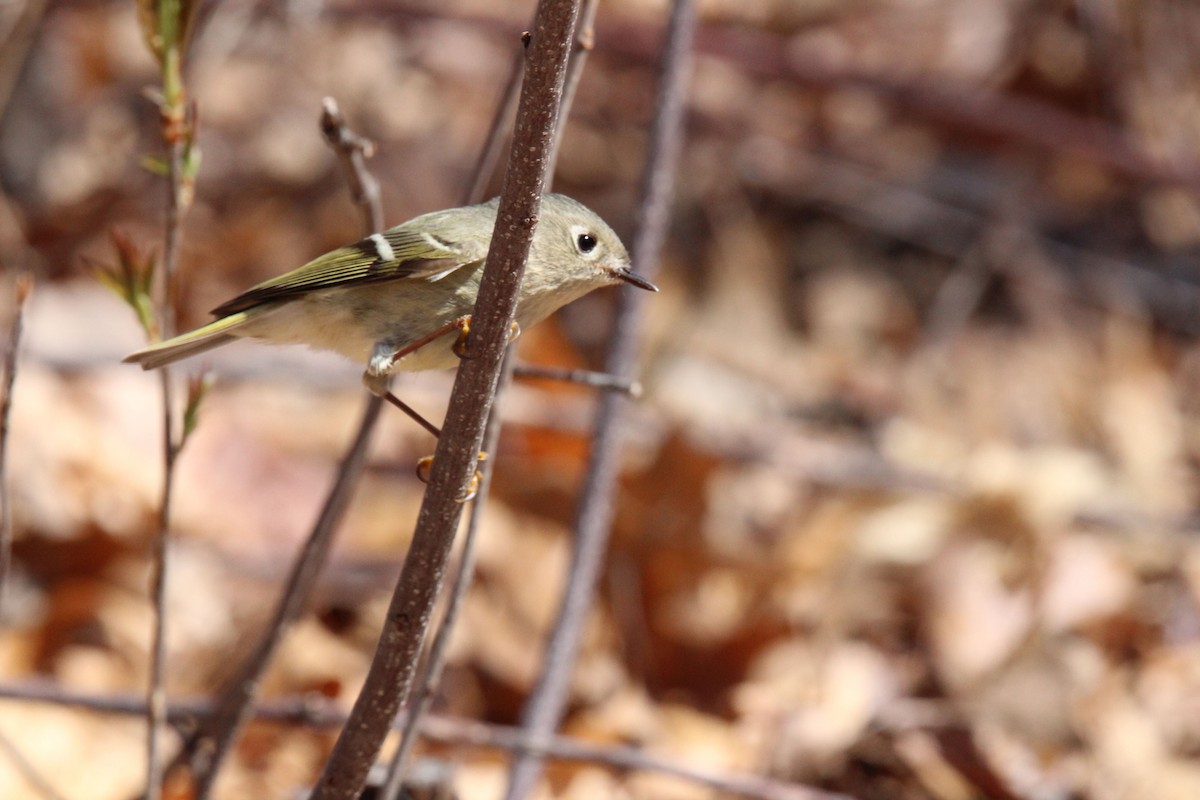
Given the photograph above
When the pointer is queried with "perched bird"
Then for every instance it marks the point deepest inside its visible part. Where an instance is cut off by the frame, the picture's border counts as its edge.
(401, 300)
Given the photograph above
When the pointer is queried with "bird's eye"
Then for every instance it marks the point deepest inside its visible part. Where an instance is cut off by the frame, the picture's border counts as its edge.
(585, 242)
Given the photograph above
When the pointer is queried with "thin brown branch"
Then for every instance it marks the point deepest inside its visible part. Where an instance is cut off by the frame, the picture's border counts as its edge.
(584, 377)
(435, 661)
(563, 748)
(23, 286)
(390, 677)
(412, 720)
(494, 140)
(234, 705)
(352, 151)
(303, 710)
(594, 515)
(585, 37)
(207, 749)
(466, 571)
(156, 691)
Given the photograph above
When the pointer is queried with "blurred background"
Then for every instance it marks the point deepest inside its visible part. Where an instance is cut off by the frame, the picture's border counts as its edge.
(908, 505)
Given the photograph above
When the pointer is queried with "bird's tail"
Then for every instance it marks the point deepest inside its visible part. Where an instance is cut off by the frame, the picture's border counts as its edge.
(202, 339)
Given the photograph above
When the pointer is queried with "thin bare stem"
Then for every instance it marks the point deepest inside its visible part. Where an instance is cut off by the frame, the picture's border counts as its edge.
(563, 748)
(389, 679)
(208, 747)
(435, 662)
(494, 142)
(412, 413)
(352, 151)
(584, 377)
(23, 287)
(585, 37)
(156, 704)
(156, 692)
(594, 515)
(302, 710)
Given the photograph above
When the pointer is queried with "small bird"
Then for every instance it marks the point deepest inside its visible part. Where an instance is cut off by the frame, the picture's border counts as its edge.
(401, 300)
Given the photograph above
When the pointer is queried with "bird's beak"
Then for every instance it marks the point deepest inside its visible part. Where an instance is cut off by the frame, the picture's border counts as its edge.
(632, 277)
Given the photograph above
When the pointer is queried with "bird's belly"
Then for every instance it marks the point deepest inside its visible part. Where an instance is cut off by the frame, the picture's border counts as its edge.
(354, 320)
(351, 329)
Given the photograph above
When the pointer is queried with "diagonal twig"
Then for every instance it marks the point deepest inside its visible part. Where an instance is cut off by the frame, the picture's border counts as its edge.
(594, 515)
(412, 719)
(390, 677)
(585, 37)
(207, 748)
(353, 151)
(494, 140)
(435, 660)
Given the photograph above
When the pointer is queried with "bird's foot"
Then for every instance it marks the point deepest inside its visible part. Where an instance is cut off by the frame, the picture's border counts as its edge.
(464, 331)
(425, 471)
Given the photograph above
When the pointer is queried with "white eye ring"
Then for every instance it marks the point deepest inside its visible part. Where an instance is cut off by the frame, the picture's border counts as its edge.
(584, 240)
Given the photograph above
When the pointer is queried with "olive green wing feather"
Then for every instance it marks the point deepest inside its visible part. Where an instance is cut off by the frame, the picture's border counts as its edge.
(405, 252)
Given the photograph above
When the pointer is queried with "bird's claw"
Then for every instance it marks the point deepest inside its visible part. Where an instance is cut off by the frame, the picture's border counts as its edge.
(464, 332)
(425, 472)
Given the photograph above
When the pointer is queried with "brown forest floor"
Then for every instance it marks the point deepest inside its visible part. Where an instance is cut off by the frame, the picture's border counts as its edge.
(909, 504)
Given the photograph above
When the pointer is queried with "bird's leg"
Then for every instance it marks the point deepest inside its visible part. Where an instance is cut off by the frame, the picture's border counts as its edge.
(385, 356)
(379, 385)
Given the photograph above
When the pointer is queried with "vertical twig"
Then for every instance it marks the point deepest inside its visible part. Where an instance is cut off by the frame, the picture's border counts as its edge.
(23, 287)
(206, 750)
(168, 36)
(594, 515)
(435, 661)
(390, 677)
(156, 697)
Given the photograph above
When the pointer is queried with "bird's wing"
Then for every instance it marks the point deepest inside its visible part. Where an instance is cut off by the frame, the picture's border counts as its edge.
(402, 252)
